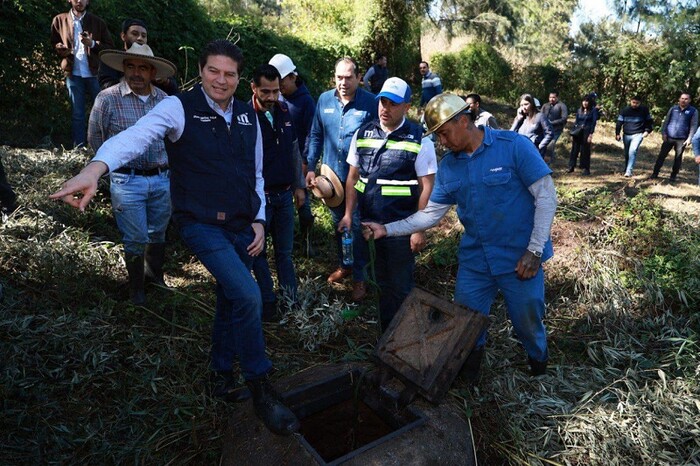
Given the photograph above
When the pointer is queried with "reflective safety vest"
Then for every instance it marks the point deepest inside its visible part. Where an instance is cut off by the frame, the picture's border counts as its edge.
(388, 184)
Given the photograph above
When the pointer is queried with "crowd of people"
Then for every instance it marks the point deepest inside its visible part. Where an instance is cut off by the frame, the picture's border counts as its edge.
(230, 173)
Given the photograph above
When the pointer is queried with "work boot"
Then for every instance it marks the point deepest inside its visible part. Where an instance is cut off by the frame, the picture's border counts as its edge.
(224, 385)
(537, 367)
(274, 414)
(134, 266)
(339, 274)
(359, 291)
(154, 260)
(307, 247)
(469, 372)
(269, 312)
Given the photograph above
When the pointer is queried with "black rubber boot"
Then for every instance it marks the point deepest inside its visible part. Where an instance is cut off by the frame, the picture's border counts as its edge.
(134, 266)
(537, 367)
(469, 372)
(155, 257)
(274, 414)
(307, 247)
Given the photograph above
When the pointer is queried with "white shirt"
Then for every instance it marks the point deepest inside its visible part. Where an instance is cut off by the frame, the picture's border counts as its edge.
(426, 160)
(81, 66)
(168, 119)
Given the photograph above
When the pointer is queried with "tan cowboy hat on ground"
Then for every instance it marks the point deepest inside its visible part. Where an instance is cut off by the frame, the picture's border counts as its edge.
(328, 187)
(115, 59)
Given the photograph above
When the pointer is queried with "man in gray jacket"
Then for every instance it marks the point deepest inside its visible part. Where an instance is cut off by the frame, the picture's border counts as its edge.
(556, 111)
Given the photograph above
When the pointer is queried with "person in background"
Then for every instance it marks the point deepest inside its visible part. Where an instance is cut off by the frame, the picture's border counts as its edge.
(391, 176)
(376, 74)
(430, 83)
(678, 128)
(302, 107)
(636, 124)
(556, 112)
(339, 113)
(78, 37)
(532, 124)
(481, 116)
(696, 150)
(8, 198)
(214, 147)
(133, 31)
(284, 187)
(140, 190)
(506, 201)
(586, 117)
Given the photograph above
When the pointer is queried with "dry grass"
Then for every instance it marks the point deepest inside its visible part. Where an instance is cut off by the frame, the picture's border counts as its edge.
(88, 378)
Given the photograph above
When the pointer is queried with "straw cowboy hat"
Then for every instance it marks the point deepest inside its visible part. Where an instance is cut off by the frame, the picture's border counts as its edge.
(115, 59)
(328, 187)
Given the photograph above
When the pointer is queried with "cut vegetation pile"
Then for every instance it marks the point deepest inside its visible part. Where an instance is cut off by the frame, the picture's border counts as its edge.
(86, 377)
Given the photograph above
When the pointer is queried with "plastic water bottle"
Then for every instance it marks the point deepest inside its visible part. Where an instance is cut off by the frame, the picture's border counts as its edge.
(346, 242)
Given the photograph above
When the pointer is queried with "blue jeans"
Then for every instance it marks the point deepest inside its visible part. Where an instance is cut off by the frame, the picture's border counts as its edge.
(631, 143)
(279, 213)
(551, 146)
(394, 264)
(524, 301)
(78, 89)
(237, 328)
(141, 207)
(359, 245)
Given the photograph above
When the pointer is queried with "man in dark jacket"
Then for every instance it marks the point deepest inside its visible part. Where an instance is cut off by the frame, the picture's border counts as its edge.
(78, 37)
(678, 128)
(284, 186)
(133, 31)
(214, 147)
(556, 112)
(376, 75)
(302, 107)
(635, 121)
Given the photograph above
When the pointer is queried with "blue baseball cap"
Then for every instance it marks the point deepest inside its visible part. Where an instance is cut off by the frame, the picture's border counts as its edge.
(396, 90)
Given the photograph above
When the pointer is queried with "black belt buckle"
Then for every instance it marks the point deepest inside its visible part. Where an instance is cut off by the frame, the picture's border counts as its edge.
(140, 172)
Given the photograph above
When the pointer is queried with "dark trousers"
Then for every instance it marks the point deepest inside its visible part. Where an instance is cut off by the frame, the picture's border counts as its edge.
(678, 146)
(7, 195)
(580, 145)
(394, 264)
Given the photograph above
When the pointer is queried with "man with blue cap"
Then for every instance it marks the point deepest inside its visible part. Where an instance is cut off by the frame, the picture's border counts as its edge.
(391, 175)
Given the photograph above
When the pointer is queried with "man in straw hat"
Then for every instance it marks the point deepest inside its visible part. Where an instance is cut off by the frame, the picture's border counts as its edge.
(134, 31)
(214, 147)
(140, 190)
(506, 201)
(339, 113)
(392, 172)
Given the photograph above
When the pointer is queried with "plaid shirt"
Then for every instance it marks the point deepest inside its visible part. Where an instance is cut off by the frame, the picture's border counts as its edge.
(116, 109)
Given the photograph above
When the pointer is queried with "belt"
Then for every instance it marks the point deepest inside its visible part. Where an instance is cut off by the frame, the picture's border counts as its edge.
(139, 172)
(278, 189)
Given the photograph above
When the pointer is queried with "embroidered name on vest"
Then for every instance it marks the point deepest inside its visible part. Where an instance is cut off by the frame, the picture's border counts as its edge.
(204, 118)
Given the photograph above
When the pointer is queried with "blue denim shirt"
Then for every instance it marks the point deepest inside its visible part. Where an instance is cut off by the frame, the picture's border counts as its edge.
(490, 189)
(333, 127)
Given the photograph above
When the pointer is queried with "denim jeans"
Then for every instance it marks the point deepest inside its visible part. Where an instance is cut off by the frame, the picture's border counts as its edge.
(394, 264)
(279, 213)
(631, 143)
(78, 89)
(237, 327)
(141, 207)
(550, 152)
(678, 146)
(359, 245)
(524, 301)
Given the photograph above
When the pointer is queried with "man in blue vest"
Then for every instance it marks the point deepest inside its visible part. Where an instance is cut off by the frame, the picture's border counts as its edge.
(284, 186)
(214, 147)
(391, 176)
(506, 202)
(376, 74)
(339, 113)
(677, 130)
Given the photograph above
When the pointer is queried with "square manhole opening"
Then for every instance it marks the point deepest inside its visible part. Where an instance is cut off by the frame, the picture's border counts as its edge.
(341, 417)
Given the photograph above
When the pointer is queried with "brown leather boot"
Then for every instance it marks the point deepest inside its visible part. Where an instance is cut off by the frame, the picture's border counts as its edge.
(339, 274)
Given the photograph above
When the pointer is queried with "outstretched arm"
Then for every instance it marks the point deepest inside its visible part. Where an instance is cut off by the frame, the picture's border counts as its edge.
(78, 191)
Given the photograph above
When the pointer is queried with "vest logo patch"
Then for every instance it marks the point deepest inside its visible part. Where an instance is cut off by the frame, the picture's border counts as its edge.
(287, 123)
(204, 118)
(359, 112)
(221, 216)
(368, 133)
(497, 169)
(328, 110)
(243, 119)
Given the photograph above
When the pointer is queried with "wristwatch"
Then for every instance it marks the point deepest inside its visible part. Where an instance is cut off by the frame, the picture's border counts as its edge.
(536, 253)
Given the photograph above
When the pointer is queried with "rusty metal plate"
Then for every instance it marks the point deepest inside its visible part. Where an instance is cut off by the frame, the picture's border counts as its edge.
(428, 341)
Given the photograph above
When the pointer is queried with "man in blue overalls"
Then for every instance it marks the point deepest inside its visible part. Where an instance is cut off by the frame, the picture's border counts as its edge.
(506, 202)
(391, 175)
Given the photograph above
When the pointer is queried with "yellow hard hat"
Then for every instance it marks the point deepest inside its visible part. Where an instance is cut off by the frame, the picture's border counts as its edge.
(441, 109)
